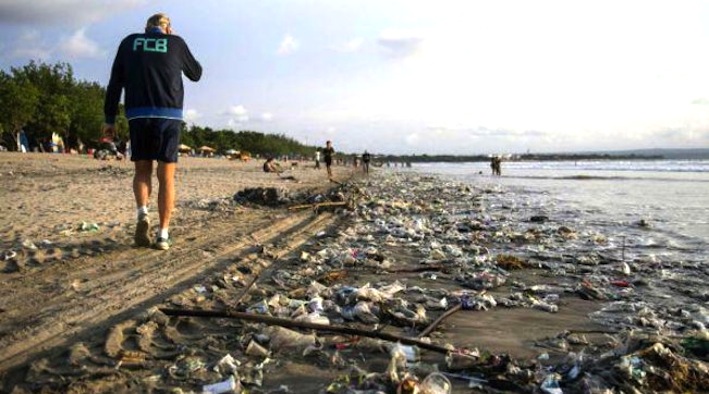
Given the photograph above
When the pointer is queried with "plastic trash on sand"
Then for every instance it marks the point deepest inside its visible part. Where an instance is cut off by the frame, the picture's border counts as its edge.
(632, 366)
(313, 317)
(283, 338)
(435, 383)
(550, 385)
(88, 227)
(364, 313)
(545, 306)
(227, 386)
(411, 353)
(254, 349)
(397, 363)
(477, 302)
(227, 365)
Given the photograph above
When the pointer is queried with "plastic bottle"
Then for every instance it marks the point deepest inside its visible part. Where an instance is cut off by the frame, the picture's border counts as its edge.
(316, 304)
(226, 386)
(412, 353)
(551, 298)
(348, 313)
(550, 385)
(467, 303)
(435, 383)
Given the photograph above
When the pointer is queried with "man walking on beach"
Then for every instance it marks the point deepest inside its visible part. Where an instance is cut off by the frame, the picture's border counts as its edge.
(328, 152)
(149, 67)
(366, 158)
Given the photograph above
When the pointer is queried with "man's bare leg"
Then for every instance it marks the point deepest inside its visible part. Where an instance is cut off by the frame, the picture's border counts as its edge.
(142, 187)
(166, 197)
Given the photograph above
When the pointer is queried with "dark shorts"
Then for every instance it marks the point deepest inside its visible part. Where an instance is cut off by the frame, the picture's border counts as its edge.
(154, 139)
(328, 161)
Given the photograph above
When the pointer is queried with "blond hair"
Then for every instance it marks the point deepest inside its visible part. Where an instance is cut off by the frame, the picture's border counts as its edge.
(158, 20)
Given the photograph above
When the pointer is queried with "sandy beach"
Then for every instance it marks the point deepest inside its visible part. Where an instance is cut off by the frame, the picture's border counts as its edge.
(69, 267)
(83, 310)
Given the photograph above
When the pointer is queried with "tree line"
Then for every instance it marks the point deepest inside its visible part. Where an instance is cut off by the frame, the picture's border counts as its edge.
(250, 141)
(41, 99)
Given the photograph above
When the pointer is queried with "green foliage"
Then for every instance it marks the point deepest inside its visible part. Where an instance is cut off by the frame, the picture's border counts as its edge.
(42, 99)
(86, 111)
(54, 83)
(250, 141)
(18, 102)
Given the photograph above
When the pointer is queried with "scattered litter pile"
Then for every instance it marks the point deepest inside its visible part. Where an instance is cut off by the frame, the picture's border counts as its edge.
(361, 309)
(269, 196)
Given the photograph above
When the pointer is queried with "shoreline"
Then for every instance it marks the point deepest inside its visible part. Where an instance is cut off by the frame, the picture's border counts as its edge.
(440, 240)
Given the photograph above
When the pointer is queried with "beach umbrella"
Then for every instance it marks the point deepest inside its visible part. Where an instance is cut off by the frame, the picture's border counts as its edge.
(184, 148)
(205, 149)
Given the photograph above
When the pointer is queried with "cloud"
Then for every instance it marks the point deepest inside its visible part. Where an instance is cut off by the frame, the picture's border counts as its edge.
(78, 45)
(191, 115)
(486, 132)
(413, 139)
(29, 45)
(238, 113)
(400, 43)
(288, 45)
(683, 136)
(350, 46)
(700, 101)
(233, 124)
(61, 12)
(481, 131)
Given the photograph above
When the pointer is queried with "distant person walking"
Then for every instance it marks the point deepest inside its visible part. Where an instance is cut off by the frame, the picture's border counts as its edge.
(149, 67)
(328, 153)
(366, 158)
(496, 165)
(317, 158)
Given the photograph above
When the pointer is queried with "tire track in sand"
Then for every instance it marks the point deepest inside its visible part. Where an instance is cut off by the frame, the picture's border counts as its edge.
(127, 281)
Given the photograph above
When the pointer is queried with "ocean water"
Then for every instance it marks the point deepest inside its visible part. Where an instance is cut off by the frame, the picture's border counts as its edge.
(652, 216)
(654, 209)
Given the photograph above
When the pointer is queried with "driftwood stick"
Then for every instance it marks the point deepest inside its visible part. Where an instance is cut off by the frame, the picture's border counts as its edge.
(594, 332)
(270, 320)
(417, 269)
(247, 289)
(438, 321)
(319, 204)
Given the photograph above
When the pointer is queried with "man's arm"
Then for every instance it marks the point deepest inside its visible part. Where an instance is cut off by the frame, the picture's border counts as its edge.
(191, 67)
(114, 90)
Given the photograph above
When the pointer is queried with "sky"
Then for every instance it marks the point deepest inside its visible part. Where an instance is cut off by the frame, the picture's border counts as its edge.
(408, 76)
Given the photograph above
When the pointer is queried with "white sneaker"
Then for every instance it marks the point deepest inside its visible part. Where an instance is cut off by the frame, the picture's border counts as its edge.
(142, 230)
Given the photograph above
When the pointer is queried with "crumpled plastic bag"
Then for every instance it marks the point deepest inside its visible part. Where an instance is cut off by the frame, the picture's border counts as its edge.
(282, 338)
